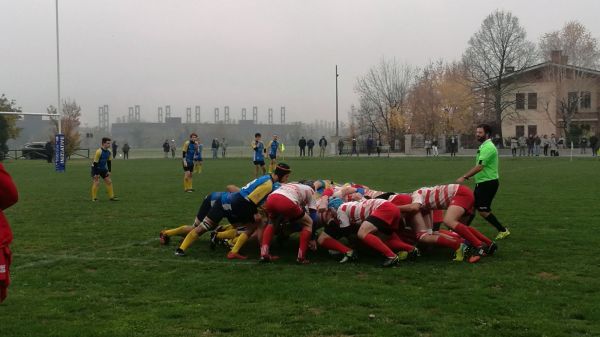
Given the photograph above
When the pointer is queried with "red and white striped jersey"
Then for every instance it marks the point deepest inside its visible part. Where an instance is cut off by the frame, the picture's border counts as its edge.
(436, 197)
(372, 193)
(300, 194)
(355, 212)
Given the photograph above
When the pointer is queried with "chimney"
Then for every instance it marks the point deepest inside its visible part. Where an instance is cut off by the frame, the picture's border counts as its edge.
(509, 69)
(555, 56)
(564, 59)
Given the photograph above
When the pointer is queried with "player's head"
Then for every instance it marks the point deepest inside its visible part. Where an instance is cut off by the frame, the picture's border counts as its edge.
(193, 136)
(106, 142)
(334, 203)
(282, 171)
(483, 132)
(257, 136)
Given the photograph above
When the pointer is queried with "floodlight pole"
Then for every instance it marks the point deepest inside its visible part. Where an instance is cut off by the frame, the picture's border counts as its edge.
(337, 133)
(58, 108)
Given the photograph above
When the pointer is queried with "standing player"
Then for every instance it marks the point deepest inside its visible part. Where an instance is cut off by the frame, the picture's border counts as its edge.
(288, 204)
(486, 178)
(259, 154)
(8, 197)
(189, 152)
(273, 148)
(101, 167)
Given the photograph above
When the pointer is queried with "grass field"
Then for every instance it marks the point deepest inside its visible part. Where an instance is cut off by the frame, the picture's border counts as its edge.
(97, 269)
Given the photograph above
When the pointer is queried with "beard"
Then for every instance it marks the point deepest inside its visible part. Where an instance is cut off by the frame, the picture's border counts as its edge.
(481, 139)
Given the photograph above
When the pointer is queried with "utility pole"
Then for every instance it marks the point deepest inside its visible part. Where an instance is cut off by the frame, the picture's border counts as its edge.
(337, 124)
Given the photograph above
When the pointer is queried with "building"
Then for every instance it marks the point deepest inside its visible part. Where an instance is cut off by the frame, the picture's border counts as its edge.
(545, 98)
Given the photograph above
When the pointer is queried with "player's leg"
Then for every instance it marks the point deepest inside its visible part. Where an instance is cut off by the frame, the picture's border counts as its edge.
(305, 234)
(109, 188)
(208, 223)
(366, 234)
(95, 185)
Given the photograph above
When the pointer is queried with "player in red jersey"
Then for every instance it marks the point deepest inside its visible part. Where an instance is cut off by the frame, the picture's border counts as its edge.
(8, 197)
(287, 204)
(374, 216)
(458, 202)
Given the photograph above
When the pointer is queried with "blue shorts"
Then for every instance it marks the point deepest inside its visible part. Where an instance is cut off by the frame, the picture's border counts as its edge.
(273, 156)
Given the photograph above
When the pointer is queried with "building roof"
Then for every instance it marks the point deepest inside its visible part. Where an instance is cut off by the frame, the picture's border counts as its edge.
(549, 63)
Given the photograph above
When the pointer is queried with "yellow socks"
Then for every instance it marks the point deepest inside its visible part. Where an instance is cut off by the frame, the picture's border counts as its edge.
(109, 191)
(94, 191)
(189, 239)
(177, 231)
(227, 234)
(239, 243)
(198, 168)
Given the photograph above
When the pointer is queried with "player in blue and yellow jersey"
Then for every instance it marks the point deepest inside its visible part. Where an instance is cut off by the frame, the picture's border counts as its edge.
(101, 167)
(273, 147)
(259, 154)
(198, 157)
(189, 152)
(240, 208)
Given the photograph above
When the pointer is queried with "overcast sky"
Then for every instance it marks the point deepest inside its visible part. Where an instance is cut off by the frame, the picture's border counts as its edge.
(268, 53)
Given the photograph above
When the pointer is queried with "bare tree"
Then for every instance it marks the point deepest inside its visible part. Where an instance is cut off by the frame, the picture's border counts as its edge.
(69, 124)
(575, 41)
(500, 46)
(383, 94)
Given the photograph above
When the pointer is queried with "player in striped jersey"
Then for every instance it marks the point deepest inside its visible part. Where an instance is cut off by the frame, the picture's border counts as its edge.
(458, 202)
(374, 216)
(288, 204)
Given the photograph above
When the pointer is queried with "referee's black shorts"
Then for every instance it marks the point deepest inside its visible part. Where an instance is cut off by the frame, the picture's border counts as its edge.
(484, 194)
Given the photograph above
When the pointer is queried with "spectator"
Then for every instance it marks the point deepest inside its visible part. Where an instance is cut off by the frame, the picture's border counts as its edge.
(215, 148)
(434, 147)
(173, 148)
(310, 144)
(514, 144)
(49, 151)
(497, 141)
(561, 143)
(553, 146)
(537, 141)
(546, 145)
(379, 145)
(114, 149)
(322, 146)
(369, 145)
(522, 145)
(594, 145)
(340, 146)
(302, 145)
(583, 144)
(354, 147)
(529, 143)
(427, 147)
(166, 148)
(223, 147)
(126, 150)
(453, 146)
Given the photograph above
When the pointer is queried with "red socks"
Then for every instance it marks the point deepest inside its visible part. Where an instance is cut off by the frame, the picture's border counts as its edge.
(334, 244)
(376, 243)
(480, 236)
(467, 235)
(396, 243)
(266, 240)
(304, 237)
(445, 242)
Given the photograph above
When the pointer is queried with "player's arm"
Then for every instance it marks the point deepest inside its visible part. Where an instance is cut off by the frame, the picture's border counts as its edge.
(253, 145)
(232, 188)
(96, 158)
(343, 219)
(184, 152)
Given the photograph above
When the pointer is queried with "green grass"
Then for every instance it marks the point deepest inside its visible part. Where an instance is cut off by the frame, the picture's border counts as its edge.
(96, 269)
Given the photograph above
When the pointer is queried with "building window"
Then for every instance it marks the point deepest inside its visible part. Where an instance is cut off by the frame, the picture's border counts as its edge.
(532, 101)
(531, 130)
(520, 101)
(520, 131)
(573, 100)
(586, 99)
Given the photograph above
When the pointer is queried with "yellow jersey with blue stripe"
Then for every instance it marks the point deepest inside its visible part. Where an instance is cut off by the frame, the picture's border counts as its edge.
(258, 189)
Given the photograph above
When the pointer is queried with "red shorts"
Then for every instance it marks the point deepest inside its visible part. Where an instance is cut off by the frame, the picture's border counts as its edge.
(438, 215)
(464, 198)
(388, 214)
(279, 205)
(401, 199)
(5, 260)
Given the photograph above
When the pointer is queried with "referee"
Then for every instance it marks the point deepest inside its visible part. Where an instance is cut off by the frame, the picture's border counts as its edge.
(486, 176)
